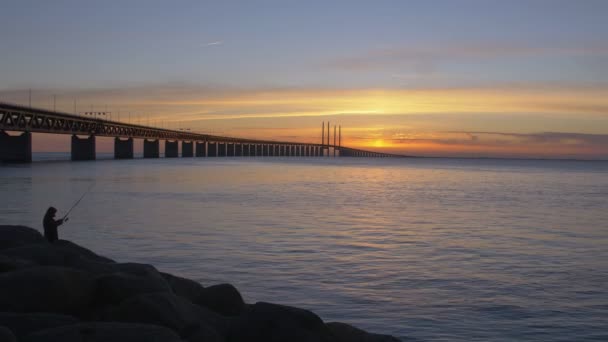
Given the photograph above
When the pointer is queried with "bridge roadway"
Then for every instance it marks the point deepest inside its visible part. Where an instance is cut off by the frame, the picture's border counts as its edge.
(18, 148)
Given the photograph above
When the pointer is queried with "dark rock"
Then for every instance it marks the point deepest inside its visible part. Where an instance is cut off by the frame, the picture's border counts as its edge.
(46, 289)
(69, 246)
(113, 288)
(59, 253)
(15, 236)
(273, 323)
(223, 298)
(105, 332)
(6, 335)
(9, 263)
(170, 311)
(347, 333)
(183, 287)
(42, 254)
(23, 324)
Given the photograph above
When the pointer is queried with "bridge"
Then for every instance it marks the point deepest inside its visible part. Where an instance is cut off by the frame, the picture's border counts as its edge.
(28, 120)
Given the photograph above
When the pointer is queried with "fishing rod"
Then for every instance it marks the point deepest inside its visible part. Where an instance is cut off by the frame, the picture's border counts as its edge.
(77, 202)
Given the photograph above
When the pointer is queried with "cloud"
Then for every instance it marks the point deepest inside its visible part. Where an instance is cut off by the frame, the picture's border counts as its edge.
(425, 59)
(218, 42)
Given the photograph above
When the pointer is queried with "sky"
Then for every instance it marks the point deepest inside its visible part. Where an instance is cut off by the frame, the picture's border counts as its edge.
(525, 79)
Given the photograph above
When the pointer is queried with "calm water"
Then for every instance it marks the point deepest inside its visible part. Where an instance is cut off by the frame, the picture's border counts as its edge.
(432, 249)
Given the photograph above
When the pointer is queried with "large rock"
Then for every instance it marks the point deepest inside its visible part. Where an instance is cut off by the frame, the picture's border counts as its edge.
(347, 333)
(113, 288)
(42, 254)
(275, 323)
(46, 289)
(14, 236)
(185, 288)
(69, 246)
(26, 323)
(172, 312)
(223, 298)
(6, 335)
(59, 253)
(105, 332)
(9, 263)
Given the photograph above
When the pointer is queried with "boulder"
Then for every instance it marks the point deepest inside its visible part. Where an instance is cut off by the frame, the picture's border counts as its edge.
(9, 263)
(185, 288)
(105, 332)
(6, 335)
(41, 254)
(15, 236)
(59, 253)
(347, 333)
(113, 288)
(171, 311)
(274, 323)
(223, 298)
(26, 323)
(46, 289)
(69, 246)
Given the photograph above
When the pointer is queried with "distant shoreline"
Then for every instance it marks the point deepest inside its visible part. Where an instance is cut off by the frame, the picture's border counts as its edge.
(109, 155)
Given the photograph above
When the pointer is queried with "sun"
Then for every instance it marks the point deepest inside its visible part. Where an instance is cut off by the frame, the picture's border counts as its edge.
(379, 143)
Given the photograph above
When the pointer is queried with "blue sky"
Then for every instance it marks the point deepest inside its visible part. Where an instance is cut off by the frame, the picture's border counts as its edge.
(302, 43)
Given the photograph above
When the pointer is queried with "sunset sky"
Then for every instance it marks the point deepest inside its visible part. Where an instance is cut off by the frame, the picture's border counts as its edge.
(433, 78)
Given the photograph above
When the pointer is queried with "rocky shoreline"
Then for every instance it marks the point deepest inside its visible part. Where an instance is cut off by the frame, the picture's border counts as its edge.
(64, 292)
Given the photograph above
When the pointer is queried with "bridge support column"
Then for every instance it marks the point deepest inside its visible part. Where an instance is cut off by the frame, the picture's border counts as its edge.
(16, 149)
(238, 150)
(201, 149)
(123, 149)
(83, 149)
(222, 149)
(258, 150)
(231, 149)
(151, 148)
(212, 149)
(171, 149)
(187, 149)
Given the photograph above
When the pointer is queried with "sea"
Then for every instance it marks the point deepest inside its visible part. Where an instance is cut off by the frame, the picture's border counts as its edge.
(425, 249)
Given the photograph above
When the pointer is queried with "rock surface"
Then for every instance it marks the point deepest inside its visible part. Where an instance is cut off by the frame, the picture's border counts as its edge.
(64, 292)
(104, 332)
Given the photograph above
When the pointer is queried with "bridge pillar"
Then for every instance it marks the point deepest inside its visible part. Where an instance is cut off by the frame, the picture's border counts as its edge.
(238, 149)
(151, 148)
(16, 149)
(187, 149)
(283, 150)
(222, 149)
(83, 149)
(171, 149)
(200, 149)
(231, 149)
(258, 150)
(212, 149)
(123, 149)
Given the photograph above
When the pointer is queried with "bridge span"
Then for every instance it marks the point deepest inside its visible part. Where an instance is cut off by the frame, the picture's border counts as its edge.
(28, 120)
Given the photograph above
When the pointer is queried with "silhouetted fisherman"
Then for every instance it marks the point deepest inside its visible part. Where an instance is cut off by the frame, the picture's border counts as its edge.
(50, 224)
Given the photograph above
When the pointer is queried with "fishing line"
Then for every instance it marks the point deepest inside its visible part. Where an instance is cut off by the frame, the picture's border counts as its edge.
(77, 202)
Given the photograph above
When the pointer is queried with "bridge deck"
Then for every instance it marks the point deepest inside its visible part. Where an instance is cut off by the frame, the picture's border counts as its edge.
(26, 119)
